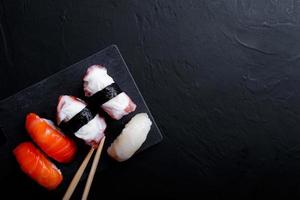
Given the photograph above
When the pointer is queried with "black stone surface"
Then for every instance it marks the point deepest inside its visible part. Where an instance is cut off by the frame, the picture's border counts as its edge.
(221, 78)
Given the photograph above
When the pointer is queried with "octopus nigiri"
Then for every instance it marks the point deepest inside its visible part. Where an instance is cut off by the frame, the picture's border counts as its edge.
(131, 138)
(37, 166)
(50, 139)
(103, 91)
(74, 116)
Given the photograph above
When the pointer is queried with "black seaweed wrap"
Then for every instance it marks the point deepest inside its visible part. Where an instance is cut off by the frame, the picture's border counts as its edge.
(105, 94)
(78, 121)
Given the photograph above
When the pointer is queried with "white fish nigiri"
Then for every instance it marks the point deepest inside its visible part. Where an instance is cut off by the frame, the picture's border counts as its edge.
(131, 139)
(96, 79)
(68, 107)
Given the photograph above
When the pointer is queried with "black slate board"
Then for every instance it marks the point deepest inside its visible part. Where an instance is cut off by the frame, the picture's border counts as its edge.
(42, 97)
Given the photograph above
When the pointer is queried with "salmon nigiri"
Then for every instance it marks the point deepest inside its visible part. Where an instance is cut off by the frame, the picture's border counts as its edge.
(51, 140)
(37, 166)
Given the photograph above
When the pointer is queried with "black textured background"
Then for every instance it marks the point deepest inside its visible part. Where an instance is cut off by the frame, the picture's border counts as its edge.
(221, 78)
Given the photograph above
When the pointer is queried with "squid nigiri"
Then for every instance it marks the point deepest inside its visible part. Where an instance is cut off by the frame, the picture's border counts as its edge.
(50, 139)
(103, 91)
(37, 166)
(131, 138)
(74, 116)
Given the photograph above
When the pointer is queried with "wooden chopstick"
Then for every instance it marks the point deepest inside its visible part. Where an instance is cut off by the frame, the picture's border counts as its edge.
(78, 175)
(93, 170)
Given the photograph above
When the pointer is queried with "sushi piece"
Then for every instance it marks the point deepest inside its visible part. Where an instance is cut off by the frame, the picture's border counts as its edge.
(37, 166)
(50, 139)
(103, 91)
(131, 139)
(74, 116)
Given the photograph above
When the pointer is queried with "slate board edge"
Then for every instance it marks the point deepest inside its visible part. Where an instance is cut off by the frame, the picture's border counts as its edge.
(142, 97)
(50, 76)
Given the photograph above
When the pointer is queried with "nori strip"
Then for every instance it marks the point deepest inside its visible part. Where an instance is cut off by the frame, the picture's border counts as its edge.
(105, 94)
(79, 120)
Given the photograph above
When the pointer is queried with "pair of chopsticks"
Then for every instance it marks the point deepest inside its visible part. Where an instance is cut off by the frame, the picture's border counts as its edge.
(80, 171)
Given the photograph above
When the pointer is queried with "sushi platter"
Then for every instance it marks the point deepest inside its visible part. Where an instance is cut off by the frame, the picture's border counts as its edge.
(56, 122)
